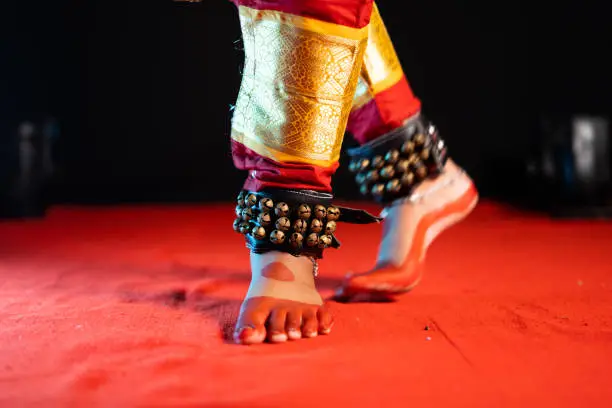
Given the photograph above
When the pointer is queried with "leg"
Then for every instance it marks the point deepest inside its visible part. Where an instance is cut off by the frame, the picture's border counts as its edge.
(386, 113)
(303, 59)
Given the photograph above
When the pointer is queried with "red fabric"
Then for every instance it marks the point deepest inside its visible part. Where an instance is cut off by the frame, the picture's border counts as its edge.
(387, 111)
(351, 13)
(126, 307)
(270, 173)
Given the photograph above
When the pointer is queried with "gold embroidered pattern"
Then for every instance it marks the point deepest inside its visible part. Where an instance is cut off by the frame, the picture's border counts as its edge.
(381, 66)
(297, 86)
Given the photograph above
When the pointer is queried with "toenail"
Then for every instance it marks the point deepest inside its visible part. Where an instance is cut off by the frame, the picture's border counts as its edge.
(278, 337)
(311, 334)
(243, 334)
(243, 328)
(294, 334)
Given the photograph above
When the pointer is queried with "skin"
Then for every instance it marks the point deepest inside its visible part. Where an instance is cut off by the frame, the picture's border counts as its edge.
(408, 231)
(283, 304)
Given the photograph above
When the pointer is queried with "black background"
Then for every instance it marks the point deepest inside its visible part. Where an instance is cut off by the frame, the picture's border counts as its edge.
(143, 89)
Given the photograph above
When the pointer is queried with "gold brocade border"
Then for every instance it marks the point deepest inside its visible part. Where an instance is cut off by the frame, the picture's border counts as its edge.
(279, 156)
(381, 66)
(298, 83)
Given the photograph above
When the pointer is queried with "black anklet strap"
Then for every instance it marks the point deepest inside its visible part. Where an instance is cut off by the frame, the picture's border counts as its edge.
(300, 222)
(393, 165)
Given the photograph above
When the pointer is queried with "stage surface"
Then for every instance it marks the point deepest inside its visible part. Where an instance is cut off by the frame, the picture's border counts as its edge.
(131, 306)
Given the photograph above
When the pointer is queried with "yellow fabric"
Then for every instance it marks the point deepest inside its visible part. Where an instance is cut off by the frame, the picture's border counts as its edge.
(298, 84)
(381, 66)
(363, 94)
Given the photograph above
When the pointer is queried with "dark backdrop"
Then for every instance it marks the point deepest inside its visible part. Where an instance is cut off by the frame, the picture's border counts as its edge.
(143, 89)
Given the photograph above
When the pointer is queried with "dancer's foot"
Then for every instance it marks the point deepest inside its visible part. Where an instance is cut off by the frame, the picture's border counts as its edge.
(282, 302)
(409, 229)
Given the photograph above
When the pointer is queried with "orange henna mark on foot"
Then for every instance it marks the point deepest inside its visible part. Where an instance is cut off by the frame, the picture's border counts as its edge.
(278, 271)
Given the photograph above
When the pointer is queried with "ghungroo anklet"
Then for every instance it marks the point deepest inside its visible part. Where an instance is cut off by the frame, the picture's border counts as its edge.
(393, 165)
(300, 222)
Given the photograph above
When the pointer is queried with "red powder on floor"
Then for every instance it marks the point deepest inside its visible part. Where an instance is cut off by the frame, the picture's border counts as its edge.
(130, 307)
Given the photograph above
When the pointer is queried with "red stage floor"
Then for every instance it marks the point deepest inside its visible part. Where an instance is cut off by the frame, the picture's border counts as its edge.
(125, 307)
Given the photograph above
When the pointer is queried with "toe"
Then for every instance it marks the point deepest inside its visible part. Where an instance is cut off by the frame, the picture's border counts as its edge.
(249, 335)
(276, 326)
(293, 324)
(326, 320)
(250, 328)
(310, 327)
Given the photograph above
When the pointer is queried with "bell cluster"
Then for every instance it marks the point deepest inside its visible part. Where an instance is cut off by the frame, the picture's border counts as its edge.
(280, 223)
(398, 170)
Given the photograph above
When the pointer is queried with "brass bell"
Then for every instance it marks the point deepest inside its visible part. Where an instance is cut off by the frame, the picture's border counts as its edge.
(378, 162)
(250, 200)
(392, 156)
(277, 237)
(238, 210)
(264, 219)
(316, 226)
(425, 154)
(364, 189)
(372, 176)
(420, 170)
(304, 211)
(300, 226)
(413, 159)
(240, 199)
(394, 186)
(419, 139)
(245, 227)
(324, 241)
(363, 164)
(247, 214)
(402, 166)
(283, 224)
(320, 212)
(259, 233)
(361, 178)
(354, 166)
(296, 240)
(281, 210)
(237, 223)
(378, 190)
(407, 179)
(387, 172)
(312, 240)
(333, 213)
(266, 204)
(330, 227)
(407, 147)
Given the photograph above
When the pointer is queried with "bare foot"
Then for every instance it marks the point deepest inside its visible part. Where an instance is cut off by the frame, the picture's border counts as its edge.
(408, 231)
(282, 302)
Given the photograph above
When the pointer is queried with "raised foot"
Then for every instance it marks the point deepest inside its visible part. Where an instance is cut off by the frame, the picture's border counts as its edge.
(408, 231)
(282, 302)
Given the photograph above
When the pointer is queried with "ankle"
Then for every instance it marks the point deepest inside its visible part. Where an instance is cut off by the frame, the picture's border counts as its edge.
(283, 267)
(450, 170)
